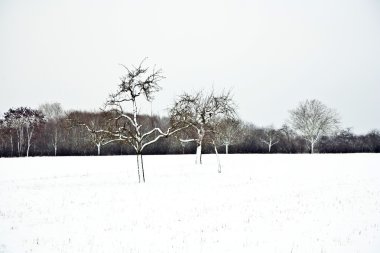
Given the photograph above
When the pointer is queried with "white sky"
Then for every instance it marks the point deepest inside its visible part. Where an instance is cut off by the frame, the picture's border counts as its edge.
(272, 54)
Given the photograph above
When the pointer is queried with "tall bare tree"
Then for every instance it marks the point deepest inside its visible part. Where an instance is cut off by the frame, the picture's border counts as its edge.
(201, 111)
(53, 113)
(138, 84)
(312, 120)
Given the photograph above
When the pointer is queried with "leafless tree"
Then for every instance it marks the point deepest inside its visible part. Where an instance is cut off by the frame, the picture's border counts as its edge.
(229, 131)
(312, 120)
(139, 83)
(52, 110)
(97, 124)
(201, 112)
(270, 137)
(24, 121)
(53, 113)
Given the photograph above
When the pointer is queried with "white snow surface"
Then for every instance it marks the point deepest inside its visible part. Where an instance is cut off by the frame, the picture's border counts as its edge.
(259, 203)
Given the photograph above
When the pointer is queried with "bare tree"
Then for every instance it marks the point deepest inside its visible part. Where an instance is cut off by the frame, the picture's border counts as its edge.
(139, 83)
(312, 120)
(270, 137)
(53, 113)
(201, 112)
(229, 131)
(24, 120)
(51, 110)
(97, 124)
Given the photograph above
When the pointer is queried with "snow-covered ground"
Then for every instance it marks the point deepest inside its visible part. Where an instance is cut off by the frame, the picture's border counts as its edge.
(260, 203)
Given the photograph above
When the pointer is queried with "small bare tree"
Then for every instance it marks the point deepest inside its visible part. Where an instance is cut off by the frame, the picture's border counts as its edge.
(312, 120)
(97, 124)
(270, 138)
(201, 112)
(139, 83)
(229, 132)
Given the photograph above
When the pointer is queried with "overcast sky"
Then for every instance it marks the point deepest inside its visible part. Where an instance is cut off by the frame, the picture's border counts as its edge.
(272, 54)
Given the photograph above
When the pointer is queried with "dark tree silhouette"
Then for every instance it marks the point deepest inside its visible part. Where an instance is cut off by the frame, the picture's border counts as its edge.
(24, 121)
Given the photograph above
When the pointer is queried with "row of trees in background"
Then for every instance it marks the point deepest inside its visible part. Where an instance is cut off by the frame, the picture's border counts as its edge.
(197, 122)
(56, 134)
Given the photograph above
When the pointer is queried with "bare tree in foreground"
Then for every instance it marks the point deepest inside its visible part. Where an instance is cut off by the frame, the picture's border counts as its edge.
(138, 84)
(201, 112)
(312, 120)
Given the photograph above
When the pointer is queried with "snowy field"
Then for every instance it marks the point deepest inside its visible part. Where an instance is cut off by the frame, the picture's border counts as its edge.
(260, 203)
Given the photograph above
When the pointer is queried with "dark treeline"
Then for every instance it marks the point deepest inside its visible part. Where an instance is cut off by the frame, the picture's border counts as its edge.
(56, 134)
(344, 141)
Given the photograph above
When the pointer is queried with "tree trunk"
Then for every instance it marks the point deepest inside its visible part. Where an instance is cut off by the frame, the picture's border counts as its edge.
(201, 134)
(98, 145)
(29, 133)
(140, 166)
(269, 148)
(18, 147)
(312, 148)
(217, 158)
(20, 136)
(28, 146)
(55, 142)
(11, 145)
(227, 149)
(198, 159)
